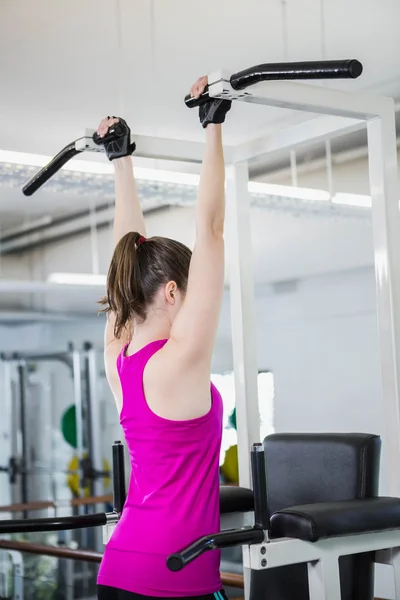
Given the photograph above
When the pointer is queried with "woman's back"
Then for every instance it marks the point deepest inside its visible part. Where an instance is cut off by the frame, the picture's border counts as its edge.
(173, 496)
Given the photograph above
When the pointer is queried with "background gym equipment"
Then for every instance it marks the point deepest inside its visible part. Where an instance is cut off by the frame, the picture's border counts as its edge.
(29, 467)
(335, 69)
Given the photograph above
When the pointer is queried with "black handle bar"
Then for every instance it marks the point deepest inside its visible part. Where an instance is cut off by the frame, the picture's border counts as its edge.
(52, 524)
(225, 539)
(321, 69)
(50, 169)
(118, 476)
(63, 157)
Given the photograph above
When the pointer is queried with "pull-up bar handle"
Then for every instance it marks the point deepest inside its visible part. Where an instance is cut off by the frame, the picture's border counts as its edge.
(50, 169)
(321, 69)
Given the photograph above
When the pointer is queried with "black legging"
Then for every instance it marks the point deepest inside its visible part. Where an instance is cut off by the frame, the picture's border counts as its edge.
(111, 593)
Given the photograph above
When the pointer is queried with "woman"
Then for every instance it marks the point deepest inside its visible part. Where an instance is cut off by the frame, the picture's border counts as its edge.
(163, 307)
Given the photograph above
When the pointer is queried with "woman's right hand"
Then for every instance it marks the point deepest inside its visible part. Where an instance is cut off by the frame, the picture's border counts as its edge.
(105, 125)
(118, 145)
(198, 87)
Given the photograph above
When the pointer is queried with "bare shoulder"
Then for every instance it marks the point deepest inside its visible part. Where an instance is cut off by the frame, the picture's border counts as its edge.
(174, 391)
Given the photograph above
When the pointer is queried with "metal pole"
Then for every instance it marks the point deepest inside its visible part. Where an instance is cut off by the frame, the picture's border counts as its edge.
(329, 167)
(93, 429)
(10, 416)
(243, 318)
(22, 383)
(261, 509)
(93, 418)
(76, 370)
(386, 230)
(18, 568)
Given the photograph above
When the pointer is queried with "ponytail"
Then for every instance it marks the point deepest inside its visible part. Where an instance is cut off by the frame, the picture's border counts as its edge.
(125, 297)
(138, 268)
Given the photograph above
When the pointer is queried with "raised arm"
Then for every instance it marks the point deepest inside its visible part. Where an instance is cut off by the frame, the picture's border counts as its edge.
(194, 329)
(128, 217)
(128, 212)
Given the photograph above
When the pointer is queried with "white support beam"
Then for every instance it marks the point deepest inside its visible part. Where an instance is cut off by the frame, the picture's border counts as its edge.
(324, 579)
(150, 150)
(386, 231)
(313, 130)
(304, 97)
(243, 318)
(169, 149)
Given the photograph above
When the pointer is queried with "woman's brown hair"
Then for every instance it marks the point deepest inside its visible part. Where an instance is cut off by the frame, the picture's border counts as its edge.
(138, 269)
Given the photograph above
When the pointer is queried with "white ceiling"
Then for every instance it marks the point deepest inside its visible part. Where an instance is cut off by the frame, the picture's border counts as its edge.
(64, 65)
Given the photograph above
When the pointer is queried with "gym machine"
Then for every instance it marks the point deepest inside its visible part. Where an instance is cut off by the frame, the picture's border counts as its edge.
(334, 69)
(319, 525)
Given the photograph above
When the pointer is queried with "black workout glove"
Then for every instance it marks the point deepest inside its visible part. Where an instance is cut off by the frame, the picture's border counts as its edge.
(214, 111)
(117, 142)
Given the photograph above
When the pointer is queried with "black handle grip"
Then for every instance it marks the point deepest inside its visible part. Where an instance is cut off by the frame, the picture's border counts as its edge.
(322, 69)
(193, 102)
(119, 487)
(224, 539)
(50, 169)
(176, 562)
(261, 511)
(52, 524)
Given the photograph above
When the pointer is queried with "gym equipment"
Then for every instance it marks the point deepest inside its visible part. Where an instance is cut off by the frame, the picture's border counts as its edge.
(325, 69)
(90, 141)
(341, 112)
(317, 516)
(116, 144)
(26, 401)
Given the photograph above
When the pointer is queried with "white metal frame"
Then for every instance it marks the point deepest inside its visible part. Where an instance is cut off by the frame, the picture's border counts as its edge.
(342, 112)
(322, 558)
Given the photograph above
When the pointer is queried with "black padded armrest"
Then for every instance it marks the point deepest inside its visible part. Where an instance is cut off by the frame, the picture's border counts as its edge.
(311, 522)
(235, 499)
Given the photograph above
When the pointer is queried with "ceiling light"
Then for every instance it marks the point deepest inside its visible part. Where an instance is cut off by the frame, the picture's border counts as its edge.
(77, 279)
(102, 168)
(190, 179)
(288, 191)
(22, 158)
(353, 200)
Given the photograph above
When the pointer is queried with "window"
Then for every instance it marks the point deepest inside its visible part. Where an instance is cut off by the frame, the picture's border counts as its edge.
(226, 385)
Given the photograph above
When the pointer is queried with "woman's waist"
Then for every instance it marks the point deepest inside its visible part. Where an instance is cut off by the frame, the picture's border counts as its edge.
(135, 571)
(167, 530)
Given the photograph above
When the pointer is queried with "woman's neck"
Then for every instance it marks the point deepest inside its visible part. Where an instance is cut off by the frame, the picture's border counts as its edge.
(150, 331)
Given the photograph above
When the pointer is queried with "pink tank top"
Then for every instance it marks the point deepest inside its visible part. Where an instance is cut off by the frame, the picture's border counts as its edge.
(173, 496)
